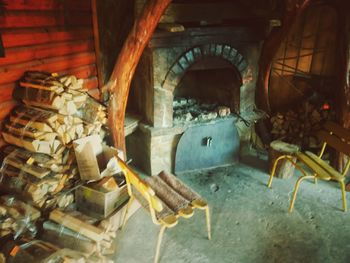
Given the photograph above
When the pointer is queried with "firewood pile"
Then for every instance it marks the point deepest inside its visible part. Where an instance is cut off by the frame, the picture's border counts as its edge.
(300, 126)
(39, 165)
(16, 217)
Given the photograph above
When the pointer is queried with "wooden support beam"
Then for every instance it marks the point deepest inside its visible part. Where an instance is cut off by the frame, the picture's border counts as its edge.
(124, 69)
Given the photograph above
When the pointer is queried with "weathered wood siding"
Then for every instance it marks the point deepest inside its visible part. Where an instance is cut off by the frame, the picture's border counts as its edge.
(50, 35)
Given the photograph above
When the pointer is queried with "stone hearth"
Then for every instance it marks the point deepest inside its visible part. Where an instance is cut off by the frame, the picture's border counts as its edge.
(161, 70)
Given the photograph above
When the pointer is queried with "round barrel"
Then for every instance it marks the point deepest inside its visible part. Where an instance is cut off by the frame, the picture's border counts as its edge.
(284, 168)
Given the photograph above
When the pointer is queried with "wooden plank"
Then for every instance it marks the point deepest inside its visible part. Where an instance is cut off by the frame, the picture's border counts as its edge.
(6, 108)
(335, 142)
(27, 53)
(338, 130)
(34, 170)
(82, 72)
(46, 5)
(26, 37)
(199, 36)
(203, 11)
(334, 173)
(77, 225)
(14, 72)
(24, 19)
(313, 166)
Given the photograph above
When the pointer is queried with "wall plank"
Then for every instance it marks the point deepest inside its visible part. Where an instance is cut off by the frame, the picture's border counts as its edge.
(24, 19)
(35, 36)
(51, 35)
(47, 5)
(14, 72)
(29, 53)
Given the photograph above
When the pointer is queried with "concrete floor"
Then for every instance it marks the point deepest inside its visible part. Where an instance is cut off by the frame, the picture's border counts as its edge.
(250, 222)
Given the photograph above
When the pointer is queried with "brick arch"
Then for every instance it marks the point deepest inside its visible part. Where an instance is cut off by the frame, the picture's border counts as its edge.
(195, 54)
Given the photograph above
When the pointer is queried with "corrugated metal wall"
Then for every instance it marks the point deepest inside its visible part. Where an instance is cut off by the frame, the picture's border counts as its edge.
(50, 35)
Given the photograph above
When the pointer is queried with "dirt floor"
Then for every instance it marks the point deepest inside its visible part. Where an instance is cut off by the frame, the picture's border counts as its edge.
(250, 223)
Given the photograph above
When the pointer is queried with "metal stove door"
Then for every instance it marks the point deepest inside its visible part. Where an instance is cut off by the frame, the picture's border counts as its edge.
(207, 145)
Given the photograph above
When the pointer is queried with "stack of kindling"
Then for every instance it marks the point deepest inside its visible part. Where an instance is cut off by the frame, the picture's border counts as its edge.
(56, 112)
(38, 177)
(49, 91)
(16, 217)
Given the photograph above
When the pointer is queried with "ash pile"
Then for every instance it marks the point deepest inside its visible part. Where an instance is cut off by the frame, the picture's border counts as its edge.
(193, 110)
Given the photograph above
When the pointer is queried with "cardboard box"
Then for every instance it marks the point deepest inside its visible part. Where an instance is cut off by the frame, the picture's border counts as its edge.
(95, 160)
(100, 204)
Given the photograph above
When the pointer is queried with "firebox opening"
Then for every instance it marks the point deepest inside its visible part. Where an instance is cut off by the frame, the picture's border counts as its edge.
(207, 91)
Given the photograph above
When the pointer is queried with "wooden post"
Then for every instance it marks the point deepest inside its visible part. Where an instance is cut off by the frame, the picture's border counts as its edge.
(270, 47)
(124, 69)
(342, 94)
(97, 42)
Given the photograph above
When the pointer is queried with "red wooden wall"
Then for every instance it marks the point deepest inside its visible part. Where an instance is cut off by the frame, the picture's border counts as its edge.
(50, 35)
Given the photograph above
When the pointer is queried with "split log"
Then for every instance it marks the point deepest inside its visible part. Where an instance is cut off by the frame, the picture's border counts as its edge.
(79, 226)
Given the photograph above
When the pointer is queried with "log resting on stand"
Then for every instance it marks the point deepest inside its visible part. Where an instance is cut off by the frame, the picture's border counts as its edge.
(124, 69)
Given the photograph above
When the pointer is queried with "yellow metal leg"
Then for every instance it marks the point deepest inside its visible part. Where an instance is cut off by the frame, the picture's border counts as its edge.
(160, 236)
(207, 215)
(127, 210)
(274, 169)
(296, 190)
(342, 185)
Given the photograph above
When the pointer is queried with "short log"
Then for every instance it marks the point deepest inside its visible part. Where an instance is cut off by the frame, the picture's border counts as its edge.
(284, 168)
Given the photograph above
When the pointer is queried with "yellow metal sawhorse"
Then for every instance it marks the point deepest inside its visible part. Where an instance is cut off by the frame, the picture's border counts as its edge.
(333, 135)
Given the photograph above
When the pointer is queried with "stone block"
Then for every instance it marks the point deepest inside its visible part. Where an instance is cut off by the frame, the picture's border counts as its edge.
(163, 108)
(190, 56)
(184, 63)
(218, 50)
(197, 53)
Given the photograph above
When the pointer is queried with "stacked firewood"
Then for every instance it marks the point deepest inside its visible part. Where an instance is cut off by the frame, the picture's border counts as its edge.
(300, 126)
(45, 90)
(56, 111)
(38, 177)
(16, 217)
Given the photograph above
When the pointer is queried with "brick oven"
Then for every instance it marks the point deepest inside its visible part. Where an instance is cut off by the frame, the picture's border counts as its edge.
(183, 81)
